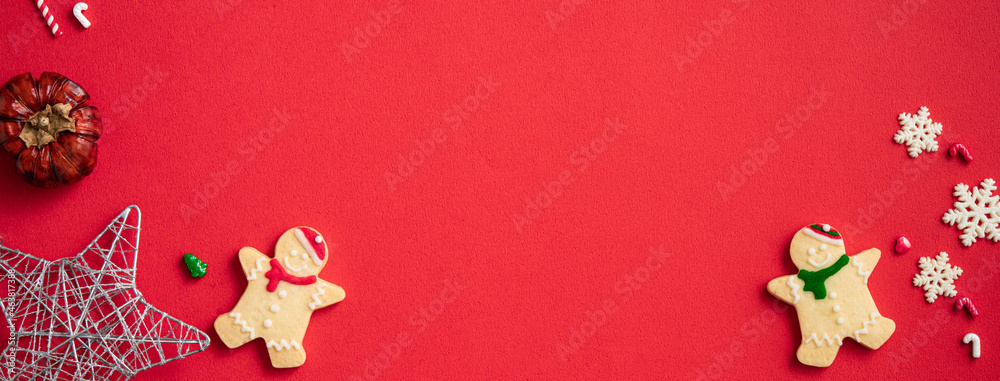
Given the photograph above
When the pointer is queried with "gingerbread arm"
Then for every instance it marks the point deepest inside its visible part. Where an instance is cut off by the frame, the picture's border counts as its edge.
(254, 262)
(865, 261)
(780, 287)
(325, 294)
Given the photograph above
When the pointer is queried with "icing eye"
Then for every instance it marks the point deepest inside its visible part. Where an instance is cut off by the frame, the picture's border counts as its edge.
(305, 256)
(822, 246)
(294, 253)
(812, 251)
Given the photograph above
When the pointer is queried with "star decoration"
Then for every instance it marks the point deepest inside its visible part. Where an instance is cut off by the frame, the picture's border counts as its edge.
(81, 317)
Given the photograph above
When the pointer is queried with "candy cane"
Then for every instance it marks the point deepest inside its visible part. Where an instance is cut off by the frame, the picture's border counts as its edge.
(960, 148)
(49, 19)
(974, 338)
(78, 12)
(966, 302)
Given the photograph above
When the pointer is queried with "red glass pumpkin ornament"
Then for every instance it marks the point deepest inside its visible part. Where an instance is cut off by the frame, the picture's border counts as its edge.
(49, 129)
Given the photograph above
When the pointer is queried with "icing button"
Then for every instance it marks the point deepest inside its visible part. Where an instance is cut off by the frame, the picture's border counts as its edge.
(833, 295)
(282, 294)
(840, 320)
(275, 308)
(267, 323)
(835, 308)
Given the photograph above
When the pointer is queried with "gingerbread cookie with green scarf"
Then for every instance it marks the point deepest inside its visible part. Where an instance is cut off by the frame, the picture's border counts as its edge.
(830, 294)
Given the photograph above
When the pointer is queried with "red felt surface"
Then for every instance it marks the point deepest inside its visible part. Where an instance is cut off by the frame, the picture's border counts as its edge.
(189, 91)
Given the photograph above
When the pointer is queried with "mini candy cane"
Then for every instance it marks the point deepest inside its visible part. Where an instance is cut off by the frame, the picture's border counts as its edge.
(974, 338)
(78, 12)
(959, 148)
(49, 19)
(966, 302)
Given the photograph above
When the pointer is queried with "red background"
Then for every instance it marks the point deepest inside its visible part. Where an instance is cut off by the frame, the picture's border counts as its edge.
(223, 66)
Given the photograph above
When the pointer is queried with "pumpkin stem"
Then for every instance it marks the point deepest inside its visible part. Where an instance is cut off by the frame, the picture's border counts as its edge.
(44, 126)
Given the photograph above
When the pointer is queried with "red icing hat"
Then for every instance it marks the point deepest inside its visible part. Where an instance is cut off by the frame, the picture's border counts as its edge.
(824, 233)
(313, 243)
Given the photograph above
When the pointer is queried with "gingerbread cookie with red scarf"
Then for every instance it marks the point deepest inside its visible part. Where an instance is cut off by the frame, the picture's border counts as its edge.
(281, 295)
(830, 294)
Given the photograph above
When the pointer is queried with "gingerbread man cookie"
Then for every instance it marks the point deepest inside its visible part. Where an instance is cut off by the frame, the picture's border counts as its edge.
(281, 295)
(830, 295)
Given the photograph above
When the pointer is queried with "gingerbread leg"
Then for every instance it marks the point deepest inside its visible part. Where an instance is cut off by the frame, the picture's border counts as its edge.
(231, 332)
(878, 333)
(286, 356)
(821, 356)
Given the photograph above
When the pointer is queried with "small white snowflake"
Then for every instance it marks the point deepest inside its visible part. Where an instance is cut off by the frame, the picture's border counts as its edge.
(937, 277)
(976, 212)
(918, 132)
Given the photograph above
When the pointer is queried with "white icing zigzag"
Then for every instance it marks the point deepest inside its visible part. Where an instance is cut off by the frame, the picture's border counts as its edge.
(864, 326)
(253, 272)
(828, 340)
(242, 324)
(855, 263)
(283, 345)
(315, 297)
(795, 289)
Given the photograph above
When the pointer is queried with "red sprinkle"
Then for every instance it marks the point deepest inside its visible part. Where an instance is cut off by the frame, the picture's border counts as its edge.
(959, 148)
(902, 245)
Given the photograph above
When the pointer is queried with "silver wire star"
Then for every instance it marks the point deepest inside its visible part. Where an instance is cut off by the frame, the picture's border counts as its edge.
(81, 317)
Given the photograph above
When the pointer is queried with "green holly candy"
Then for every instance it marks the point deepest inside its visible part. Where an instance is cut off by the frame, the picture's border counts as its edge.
(196, 266)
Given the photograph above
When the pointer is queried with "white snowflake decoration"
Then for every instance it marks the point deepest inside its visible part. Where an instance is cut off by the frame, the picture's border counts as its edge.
(976, 212)
(918, 132)
(937, 277)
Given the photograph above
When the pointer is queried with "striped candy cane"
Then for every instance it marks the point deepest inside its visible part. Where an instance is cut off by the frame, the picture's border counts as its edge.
(965, 302)
(49, 19)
